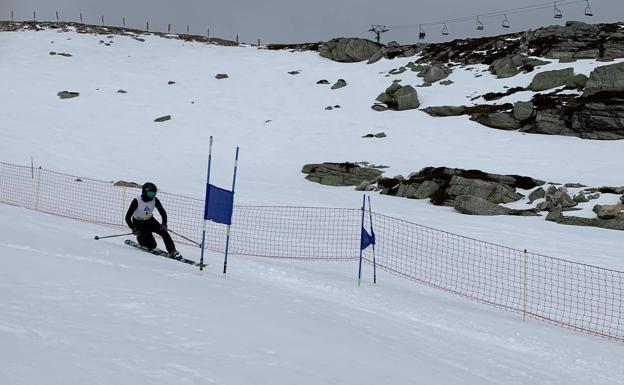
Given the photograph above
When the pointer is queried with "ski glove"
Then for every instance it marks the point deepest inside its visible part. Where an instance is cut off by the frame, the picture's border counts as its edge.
(163, 227)
(136, 232)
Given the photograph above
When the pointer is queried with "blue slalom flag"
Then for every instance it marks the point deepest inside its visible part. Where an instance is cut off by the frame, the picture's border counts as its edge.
(219, 205)
(366, 239)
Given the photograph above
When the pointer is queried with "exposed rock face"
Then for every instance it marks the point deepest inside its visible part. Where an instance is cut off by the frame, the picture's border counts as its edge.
(551, 79)
(340, 174)
(577, 40)
(221, 76)
(605, 78)
(399, 97)
(491, 191)
(348, 50)
(612, 224)
(473, 205)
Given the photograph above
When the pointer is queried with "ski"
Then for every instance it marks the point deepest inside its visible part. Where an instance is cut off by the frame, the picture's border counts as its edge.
(162, 253)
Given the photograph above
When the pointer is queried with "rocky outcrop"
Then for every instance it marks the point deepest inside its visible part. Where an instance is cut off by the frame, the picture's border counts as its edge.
(442, 185)
(551, 79)
(577, 40)
(399, 97)
(599, 115)
(221, 76)
(348, 50)
(340, 174)
(557, 198)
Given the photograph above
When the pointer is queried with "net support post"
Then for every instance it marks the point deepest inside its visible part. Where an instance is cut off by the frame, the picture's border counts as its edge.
(526, 282)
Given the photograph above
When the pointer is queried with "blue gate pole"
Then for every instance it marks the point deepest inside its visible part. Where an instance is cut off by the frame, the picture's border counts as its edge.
(203, 244)
(361, 235)
(227, 238)
(370, 212)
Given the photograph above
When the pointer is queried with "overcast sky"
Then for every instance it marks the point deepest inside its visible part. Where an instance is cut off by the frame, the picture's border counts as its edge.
(310, 20)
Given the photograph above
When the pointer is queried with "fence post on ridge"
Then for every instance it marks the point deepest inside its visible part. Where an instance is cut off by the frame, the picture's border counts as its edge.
(526, 273)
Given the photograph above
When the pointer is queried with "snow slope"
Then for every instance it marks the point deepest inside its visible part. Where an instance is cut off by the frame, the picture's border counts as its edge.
(76, 311)
(108, 135)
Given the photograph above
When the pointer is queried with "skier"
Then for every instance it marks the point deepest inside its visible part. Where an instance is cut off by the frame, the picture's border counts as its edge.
(140, 218)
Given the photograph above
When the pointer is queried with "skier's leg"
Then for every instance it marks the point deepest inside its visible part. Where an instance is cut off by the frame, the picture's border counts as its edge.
(146, 238)
(166, 238)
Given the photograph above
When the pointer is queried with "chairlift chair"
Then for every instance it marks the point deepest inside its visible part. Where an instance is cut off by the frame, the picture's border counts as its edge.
(480, 25)
(557, 12)
(505, 23)
(588, 10)
(445, 30)
(421, 33)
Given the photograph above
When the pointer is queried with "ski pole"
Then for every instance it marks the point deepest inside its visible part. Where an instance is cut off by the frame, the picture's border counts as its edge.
(182, 236)
(110, 236)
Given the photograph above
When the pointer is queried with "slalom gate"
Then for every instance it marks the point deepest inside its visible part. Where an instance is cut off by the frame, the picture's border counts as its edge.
(569, 294)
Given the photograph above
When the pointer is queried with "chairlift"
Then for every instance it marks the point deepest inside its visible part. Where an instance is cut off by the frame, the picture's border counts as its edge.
(505, 23)
(445, 30)
(557, 12)
(480, 25)
(421, 33)
(588, 10)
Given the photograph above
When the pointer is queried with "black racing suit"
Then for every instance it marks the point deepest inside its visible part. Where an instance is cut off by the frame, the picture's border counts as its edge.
(148, 226)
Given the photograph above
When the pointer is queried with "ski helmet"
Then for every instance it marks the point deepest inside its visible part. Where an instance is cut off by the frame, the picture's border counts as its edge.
(149, 190)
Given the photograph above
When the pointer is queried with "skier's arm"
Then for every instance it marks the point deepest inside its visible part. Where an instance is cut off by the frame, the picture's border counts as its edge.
(133, 206)
(161, 210)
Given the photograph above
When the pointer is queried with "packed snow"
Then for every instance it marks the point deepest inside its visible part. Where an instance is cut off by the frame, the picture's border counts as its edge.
(75, 311)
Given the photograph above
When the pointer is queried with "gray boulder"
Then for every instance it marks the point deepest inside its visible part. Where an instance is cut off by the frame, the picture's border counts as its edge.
(425, 190)
(551, 79)
(221, 76)
(68, 94)
(605, 78)
(434, 74)
(577, 81)
(340, 83)
(406, 98)
(442, 111)
(162, 119)
(537, 194)
(348, 50)
(523, 111)
(607, 211)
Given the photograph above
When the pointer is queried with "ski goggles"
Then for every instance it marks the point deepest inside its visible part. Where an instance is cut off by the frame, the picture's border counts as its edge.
(150, 194)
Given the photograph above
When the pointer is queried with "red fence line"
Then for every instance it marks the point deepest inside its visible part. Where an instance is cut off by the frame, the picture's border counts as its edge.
(573, 295)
